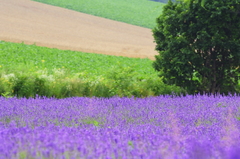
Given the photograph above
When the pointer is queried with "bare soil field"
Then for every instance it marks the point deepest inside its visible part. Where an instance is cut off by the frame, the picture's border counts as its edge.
(45, 25)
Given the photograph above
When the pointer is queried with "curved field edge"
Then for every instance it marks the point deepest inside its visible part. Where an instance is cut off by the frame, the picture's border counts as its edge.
(136, 12)
(29, 70)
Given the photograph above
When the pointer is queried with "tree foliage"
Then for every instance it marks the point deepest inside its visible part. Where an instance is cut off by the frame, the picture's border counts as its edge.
(199, 45)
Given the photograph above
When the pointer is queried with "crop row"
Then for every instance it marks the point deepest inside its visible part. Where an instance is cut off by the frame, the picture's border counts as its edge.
(136, 12)
(154, 127)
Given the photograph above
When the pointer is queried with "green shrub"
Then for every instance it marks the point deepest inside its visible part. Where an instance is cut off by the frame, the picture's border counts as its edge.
(121, 81)
(56, 73)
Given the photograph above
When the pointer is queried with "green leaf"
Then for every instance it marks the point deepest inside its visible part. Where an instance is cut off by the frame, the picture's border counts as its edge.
(203, 3)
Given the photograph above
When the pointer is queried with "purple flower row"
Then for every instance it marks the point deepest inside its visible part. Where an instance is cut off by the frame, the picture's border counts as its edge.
(153, 127)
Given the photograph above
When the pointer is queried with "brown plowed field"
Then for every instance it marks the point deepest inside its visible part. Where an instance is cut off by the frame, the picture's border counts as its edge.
(45, 25)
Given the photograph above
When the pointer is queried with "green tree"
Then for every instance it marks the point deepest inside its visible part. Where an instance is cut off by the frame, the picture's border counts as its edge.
(199, 45)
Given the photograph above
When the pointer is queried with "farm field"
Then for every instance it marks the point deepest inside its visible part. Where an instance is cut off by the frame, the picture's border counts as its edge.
(30, 70)
(13, 55)
(45, 25)
(154, 127)
(136, 12)
(34, 70)
(108, 120)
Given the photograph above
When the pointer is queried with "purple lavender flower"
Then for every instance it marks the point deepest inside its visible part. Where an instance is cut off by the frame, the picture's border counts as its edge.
(153, 127)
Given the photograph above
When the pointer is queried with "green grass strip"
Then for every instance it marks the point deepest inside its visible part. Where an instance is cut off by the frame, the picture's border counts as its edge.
(15, 56)
(136, 12)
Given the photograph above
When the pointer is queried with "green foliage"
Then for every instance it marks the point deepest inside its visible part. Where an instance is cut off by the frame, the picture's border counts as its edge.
(202, 2)
(124, 81)
(130, 143)
(199, 45)
(136, 12)
(22, 155)
(29, 70)
(91, 122)
(118, 82)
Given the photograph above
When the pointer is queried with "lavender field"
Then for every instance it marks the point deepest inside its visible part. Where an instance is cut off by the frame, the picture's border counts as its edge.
(163, 127)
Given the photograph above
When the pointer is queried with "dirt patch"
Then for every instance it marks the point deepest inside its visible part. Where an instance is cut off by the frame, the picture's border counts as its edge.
(45, 25)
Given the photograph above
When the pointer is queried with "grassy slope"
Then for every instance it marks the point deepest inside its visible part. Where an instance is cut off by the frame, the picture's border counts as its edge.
(29, 69)
(137, 12)
(15, 56)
